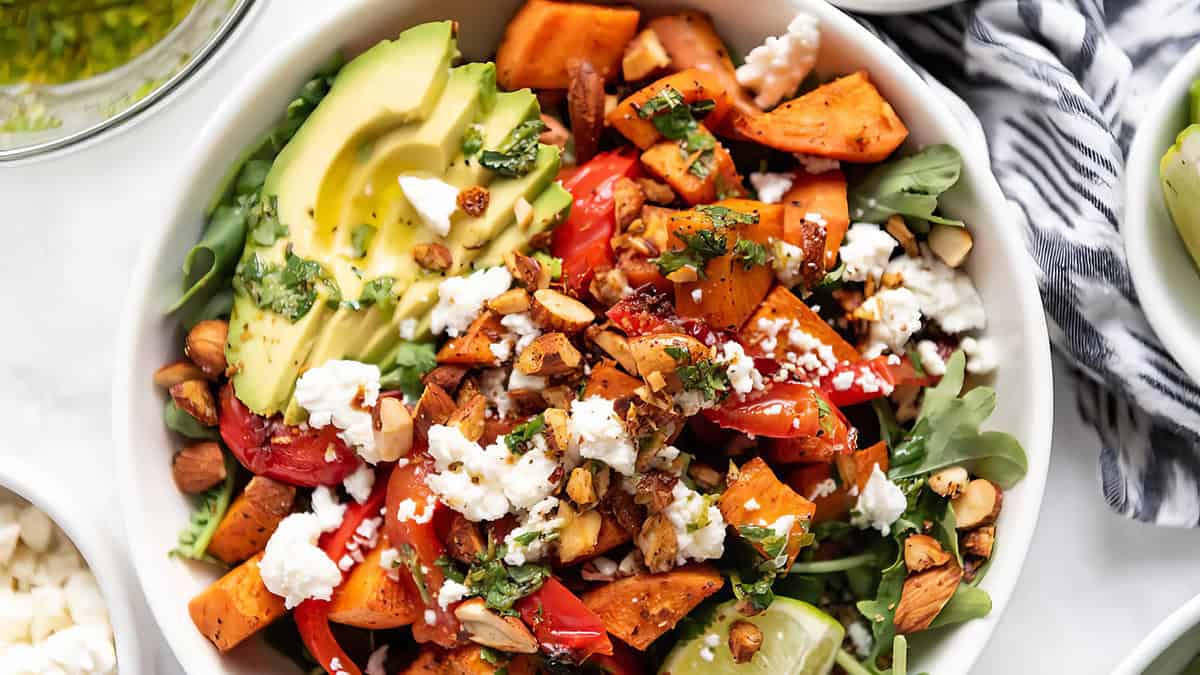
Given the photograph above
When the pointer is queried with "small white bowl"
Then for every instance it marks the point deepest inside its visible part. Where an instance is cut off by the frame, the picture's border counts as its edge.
(1001, 268)
(891, 6)
(1169, 647)
(90, 538)
(1164, 275)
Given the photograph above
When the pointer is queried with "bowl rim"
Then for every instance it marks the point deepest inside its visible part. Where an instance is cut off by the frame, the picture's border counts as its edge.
(1142, 187)
(1031, 325)
(889, 7)
(36, 487)
(1164, 635)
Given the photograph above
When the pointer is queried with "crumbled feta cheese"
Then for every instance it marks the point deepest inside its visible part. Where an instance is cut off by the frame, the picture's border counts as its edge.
(896, 315)
(597, 433)
(430, 617)
(406, 510)
(866, 251)
(697, 295)
(843, 380)
(530, 477)
(501, 350)
(451, 592)
(931, 358)
(408, 329)
(377, 662)
(809, 352)
(665, 460)
(743, 376)
(460, 299)
(880, 503)
(771, 186)
(389, 560)
(945, 294)
(492, 385)
(293, 566)
(342, 393)
(814, 165)
(751, 505)
(605, 567)
(629, 564)
(326, 507)
(699, 526)
(860, 636)
(519, 380)
(823, 489)
(539, 527)
(788, 262)
(981, 355)
(433, 199)
(776, 68)
(360, 483)
(487, 483)
(523, 326)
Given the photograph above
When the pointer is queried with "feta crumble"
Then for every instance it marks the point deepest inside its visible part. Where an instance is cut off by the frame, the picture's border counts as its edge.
(843, 380)
(699, 526)
(823, 489)
(360, 483)
(697, 295)
(342, 393)
(895, 315)
(326, 507)
(776, 68)
(880, 503)
(860, 636)
(408, 329)
(788, 262)
(597, 433)
(460, 299)
(931, 358)
(451, 592)
(406, 510)
(433, 199)
(813, 164)
(945, 294)
(293, 566)
(981, 355)
(538, 524)
(771, 186)
(743, 376)
(487, 483)
(866, 252)
(751, 504)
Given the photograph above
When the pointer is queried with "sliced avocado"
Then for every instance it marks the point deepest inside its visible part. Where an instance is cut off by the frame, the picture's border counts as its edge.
(1179, 172)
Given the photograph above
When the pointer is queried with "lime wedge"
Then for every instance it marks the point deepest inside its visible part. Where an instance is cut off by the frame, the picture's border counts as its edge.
(798, 639)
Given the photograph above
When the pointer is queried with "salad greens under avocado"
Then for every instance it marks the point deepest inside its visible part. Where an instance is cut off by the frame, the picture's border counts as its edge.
(634, 414)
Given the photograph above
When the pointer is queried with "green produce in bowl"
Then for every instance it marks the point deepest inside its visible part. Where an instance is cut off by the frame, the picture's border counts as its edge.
(1180, 177)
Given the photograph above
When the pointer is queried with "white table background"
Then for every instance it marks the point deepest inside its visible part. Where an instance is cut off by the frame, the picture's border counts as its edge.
(1094, 584)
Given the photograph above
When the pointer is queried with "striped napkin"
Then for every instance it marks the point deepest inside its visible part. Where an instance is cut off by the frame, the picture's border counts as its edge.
(1057, 88)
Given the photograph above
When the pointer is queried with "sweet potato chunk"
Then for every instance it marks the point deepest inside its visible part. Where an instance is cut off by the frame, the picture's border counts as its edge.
(783, 304)
(370, 599)
(546, 36)
(466, 660)
(846, 119)
(692, 42)
(696, 179)
(236, 606)
(641, 608)
(251, 520)
(693, 84)
(852, 470)
(607, 381)
(730, 292)
(474, 348)
(824, 194)
(772, 500)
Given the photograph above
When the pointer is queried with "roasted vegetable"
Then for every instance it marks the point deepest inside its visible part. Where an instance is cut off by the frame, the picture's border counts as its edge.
(823, 194)
(235, 607)
(370, 598)
(251, 520)
(546, 36)
(755, 501)
(668, 102)
(641, 608)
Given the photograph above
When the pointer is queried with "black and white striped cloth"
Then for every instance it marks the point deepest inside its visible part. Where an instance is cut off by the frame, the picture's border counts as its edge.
(1057, 88)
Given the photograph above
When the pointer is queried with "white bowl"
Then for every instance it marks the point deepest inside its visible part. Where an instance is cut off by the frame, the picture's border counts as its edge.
(1169, 647)
(1164, 275)
(891, 6)
(155, 510)
(91, 539)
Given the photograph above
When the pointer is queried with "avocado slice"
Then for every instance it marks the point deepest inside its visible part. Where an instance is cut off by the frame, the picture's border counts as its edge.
(1179, 172)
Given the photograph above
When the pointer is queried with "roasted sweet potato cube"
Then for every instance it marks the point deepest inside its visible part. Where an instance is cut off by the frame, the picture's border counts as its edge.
(692, 41)
(781, 303)
(759, 498)
(236, 606)
(641, 608)
(693, 84)
(465, 660)
(607, 381)
(474, 348)
(251, 520)
(695, 176)
(370, 599)
(823, 194)
(546, 36)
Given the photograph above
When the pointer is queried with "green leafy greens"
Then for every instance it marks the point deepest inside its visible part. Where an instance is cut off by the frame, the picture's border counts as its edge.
(209, 510)
(518, 154)
(184, 424)
(909, 186)
(750, 253)
(723, 216)
(412, 360)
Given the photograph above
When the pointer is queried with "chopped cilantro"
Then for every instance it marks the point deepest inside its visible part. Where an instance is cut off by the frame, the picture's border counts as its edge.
(408, 558)
(676, 120)
(375, 291)
(361, 238)
(519, 152)
(723, 216)
(501, 585)
(519, 439)
(472, 141)
(702, 166)
(757, 593)
(698, 249)
(750, 253)
(824, 416)
(262, 220)
(289, 289)
(703, 375)
(412, 361)
(772, 542)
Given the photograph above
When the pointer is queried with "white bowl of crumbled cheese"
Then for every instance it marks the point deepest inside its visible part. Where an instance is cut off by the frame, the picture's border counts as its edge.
(63, 608)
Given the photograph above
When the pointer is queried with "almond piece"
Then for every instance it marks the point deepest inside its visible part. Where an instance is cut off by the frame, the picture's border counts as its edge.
(579, 534)
(924, 595)
(474, 200)
(447, 377)
(628, 200)
(555, 134)
(512, 301)
(949, 482)
(527, 271)
(585, 107)
(950, 243)
(487, 628)
(469, 418)
(900, 232)
(393, 426)
(745, 639)
(206, 346)
(433, 256)
(643, 55)
(180, 371)
(980, 541)
(609, 286)
(198, 466)
(651, 355)
(684, 275)
(579, 487)
(558, 433)
(654, 490)
(526, 402)
(922, 552)
(657, 542)
(464, 541)
(979, 504)
(656, 192)
(549, 354)
(555, 311)
(705, 476)
(615, 345)
(196, 399)
(559, 396)
(435, 407)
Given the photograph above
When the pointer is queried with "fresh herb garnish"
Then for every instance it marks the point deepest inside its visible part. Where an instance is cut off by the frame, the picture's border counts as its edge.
(702, 375)
(723, 216)
(697, 250)
(519, 439)
(909, 186)
(290, 289)
(824, 416)
(758, 593)
(361, 238)
(376, 291)
(676, 120)
(750, 253)
(773, 543)
(501, 585)
(702, 166)
(517, 156)
(408, 558)
(472, 141)
(412, 360)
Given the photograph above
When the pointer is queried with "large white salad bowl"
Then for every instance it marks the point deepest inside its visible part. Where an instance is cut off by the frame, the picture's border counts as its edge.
(153, 508)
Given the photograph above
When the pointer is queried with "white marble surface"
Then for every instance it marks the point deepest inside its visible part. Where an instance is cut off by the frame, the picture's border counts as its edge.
(1094, 584)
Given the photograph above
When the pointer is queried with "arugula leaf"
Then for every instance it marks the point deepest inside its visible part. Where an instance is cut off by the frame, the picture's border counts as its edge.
(361, 238)
(699, 248)
(909, 186)
(723, 216)
(518, 154)
(947, 433)
(881, 612)
(413, 360)
(750, 253)
(184, 424)
(519, 439)
(968, 603)
(210, 508)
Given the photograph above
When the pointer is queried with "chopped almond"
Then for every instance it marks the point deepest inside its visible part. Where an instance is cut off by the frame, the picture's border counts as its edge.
(979, 504)
(198, 466)
(549, 354)
(684, 275)
(512, 301)
(924, 595)
(523, 211)
(644, 55)
(579, 534)
(608, 286)
(559, 396)
(555, 134)
(980, 541)
(657, 542)
(628, 200)
(433, 256)
(447, 377)
(206, 346)
(949, 482)
(900, 232)
(705, 476)
(485, 627)
(556, 311)
(527, 271)
(469, 418)
(615, 345)
(950, 243)
(464, 542)
(393, 425)
(922, 552)
(434, 407)
(652, 353)
(180, 371)
(654, 490)
(196, 399)
(474, 200)
(579, 487)
(656, 192)
(745, 639)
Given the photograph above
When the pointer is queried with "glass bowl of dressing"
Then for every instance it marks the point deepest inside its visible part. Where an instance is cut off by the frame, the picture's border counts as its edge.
(72, 69)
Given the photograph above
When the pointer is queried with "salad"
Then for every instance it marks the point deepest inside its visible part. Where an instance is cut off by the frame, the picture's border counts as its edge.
(1177, 172)
(506, 367)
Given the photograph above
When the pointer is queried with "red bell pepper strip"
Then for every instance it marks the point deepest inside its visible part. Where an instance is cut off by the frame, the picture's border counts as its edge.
(312, 616)
(564, 626)
(583, 241)
(869, 379)
(268, 447)
(422, 545)
(782, 410)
